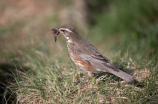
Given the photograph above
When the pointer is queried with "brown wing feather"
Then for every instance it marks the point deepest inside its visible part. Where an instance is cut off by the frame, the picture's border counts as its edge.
(92, 56)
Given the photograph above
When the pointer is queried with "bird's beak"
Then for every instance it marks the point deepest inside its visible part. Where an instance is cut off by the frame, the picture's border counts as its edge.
(59, 30)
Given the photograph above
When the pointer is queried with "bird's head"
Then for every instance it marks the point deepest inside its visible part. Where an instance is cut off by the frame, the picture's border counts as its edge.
(68, 31)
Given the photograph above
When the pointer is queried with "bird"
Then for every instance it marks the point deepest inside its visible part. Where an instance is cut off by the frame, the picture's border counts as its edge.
(86, 56)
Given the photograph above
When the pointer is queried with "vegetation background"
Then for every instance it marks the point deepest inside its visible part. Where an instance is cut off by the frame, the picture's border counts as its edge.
(35, 69)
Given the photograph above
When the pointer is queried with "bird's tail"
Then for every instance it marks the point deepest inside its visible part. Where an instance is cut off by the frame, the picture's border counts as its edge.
(123, 75)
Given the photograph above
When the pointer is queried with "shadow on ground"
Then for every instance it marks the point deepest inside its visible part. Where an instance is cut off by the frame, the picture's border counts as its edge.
(7, 72)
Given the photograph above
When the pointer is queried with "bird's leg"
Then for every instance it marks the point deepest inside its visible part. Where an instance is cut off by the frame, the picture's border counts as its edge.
(86, 80)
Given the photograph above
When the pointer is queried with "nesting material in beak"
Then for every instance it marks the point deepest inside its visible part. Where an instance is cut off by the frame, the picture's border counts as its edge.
(55, 32)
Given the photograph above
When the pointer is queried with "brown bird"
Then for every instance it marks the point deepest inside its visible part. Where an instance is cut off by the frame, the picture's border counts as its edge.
(86, 56)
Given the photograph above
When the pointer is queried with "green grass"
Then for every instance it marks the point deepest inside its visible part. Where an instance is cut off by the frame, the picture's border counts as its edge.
(59, 82)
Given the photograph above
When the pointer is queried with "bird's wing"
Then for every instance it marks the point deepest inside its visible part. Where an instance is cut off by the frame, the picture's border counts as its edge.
(92, 56)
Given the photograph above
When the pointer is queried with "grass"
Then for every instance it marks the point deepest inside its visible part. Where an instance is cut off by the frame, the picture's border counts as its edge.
(43, 72)
(49, 82)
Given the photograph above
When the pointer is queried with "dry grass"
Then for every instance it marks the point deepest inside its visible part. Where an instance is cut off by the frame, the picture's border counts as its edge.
(60, 83)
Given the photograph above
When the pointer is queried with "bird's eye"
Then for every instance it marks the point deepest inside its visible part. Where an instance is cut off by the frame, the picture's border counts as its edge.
(63, 30)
